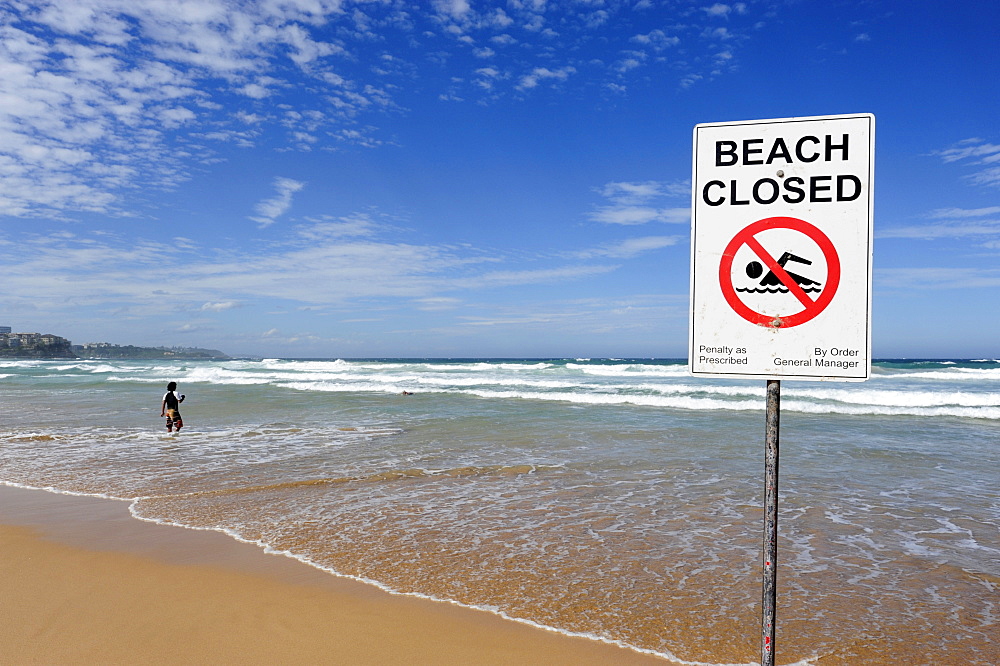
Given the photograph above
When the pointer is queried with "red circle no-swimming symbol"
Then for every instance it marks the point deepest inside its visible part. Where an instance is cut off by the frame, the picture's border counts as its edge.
(811, 308)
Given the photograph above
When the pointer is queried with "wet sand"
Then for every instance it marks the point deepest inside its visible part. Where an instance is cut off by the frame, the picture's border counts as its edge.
(85, 583)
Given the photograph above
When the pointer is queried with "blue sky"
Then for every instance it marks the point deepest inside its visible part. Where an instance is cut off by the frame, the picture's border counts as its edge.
(459, 178)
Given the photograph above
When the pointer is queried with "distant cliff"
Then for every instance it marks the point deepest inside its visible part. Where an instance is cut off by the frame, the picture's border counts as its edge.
(106, 350)
(46, 345)
(34, 345)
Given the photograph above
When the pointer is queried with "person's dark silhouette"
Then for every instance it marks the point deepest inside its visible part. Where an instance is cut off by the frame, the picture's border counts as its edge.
(755, 269)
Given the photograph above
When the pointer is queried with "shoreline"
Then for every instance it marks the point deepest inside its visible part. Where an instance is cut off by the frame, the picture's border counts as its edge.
(86, 582)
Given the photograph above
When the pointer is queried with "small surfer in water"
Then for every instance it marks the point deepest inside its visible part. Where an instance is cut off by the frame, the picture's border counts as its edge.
(170, 407)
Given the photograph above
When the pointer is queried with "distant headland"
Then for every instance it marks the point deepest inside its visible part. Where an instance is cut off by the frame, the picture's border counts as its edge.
(46, 345)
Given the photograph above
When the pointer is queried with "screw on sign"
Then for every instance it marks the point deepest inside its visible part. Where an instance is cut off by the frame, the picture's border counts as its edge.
(778, 278)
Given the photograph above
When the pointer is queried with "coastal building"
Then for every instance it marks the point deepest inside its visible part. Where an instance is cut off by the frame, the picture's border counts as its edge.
(40, 345)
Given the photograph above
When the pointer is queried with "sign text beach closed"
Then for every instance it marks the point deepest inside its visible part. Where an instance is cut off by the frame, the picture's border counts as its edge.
(781, 247)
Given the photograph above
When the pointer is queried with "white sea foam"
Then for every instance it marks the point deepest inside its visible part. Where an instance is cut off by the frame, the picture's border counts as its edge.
(21, 363)
(269, 549)
(833, 401)
(305, 366)
(899, 398)
(955, 374)
(894, 390)
(630, 369)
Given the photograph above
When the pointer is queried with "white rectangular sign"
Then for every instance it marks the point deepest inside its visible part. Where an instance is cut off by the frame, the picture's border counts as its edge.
(781, 248)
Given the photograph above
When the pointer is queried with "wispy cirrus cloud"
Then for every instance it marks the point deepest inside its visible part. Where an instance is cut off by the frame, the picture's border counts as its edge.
(613, 315)
(980, 154)
(220, 307)
(635, 203)
(938, 278)
(950, 223)
(628, 248)
(324, 263)
(274, 207)
(960, 213)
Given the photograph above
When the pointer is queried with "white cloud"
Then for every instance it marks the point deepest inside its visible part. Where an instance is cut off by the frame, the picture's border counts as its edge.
(719, 33)
(639, 192)
(657, 39)
(100, 97)
(456, 9)
(952, 223)
(254, 90)
(630, 215)
(438, 303)
(598, 316)
(176, 116)
(325, 228)
(957, 213)
(949, 230)
(510, 278)
(990, 176)
(632, 203)
(271, 209)
(597, 19)
(320, 263)
(979, 153)
(972, 148)
(718, 9)
(630, 247)
(539, 74)
(691, 79)
(94, 83)
(498, 19)
(219, 307)
(937, 278)
(628, 64)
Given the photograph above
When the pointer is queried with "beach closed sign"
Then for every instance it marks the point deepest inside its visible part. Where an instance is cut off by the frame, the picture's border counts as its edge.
(781, 248)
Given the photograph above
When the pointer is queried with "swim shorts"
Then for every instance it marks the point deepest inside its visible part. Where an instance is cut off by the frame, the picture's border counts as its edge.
(174, 420)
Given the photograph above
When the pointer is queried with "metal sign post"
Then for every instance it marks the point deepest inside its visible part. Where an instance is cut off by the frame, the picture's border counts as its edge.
(770, 588)
(781, 265)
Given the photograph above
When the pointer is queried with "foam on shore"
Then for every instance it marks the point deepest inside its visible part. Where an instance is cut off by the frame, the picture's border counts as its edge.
(84, 582)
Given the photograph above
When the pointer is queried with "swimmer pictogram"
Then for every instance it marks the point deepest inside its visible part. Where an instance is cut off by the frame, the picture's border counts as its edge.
(771, 283)
(777, 279)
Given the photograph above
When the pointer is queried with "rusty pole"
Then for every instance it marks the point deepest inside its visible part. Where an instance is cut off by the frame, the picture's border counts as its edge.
(770, 559)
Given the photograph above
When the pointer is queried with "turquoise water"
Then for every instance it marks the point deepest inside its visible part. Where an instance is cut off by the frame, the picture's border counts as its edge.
(619, 499)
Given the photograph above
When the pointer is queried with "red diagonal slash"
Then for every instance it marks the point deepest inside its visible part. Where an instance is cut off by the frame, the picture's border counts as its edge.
(780, 272)
(811, 308)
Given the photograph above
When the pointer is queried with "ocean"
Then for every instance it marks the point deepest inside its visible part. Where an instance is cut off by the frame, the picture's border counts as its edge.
(619, 499)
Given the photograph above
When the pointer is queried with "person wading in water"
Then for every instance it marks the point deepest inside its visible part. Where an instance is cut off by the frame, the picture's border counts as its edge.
(170, 407)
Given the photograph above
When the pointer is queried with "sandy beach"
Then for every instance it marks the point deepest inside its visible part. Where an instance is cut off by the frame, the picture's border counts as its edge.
(85, 583)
